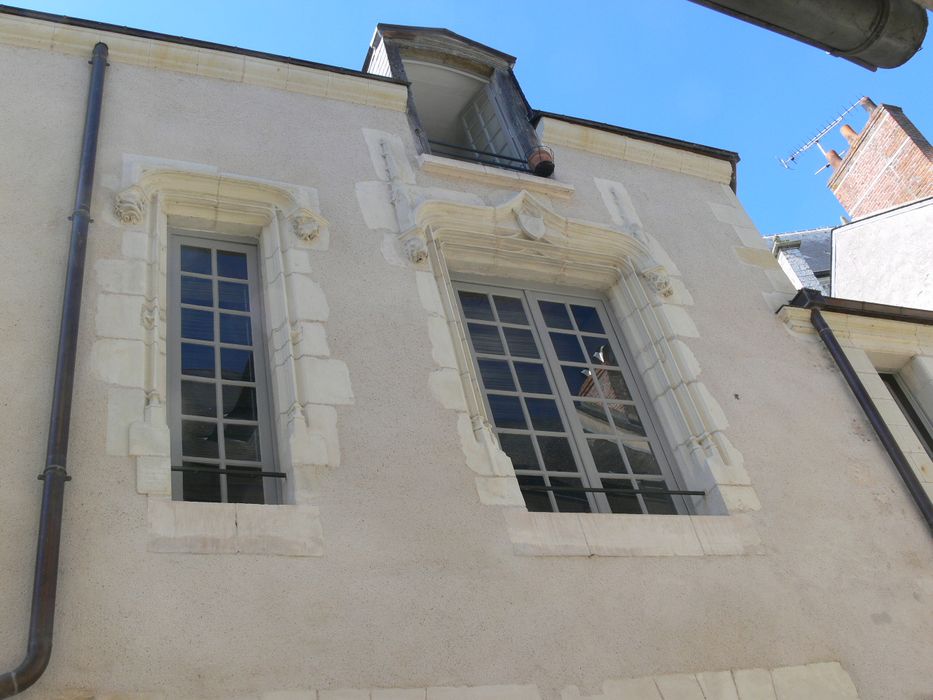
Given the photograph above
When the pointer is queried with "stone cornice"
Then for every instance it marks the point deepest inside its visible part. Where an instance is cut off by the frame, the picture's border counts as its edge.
(30, 32)
(556, 132)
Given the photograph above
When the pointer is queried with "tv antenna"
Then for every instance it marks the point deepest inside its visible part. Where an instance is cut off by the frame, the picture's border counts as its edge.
(791, 160)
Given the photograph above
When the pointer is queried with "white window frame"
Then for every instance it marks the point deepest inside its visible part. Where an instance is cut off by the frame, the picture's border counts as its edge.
(589, 474)
(177, 238)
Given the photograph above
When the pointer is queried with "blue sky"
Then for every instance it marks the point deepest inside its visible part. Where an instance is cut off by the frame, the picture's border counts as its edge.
(665, 66)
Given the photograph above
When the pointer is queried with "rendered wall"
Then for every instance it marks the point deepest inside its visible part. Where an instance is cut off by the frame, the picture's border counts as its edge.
(418, 585)
(887, 258)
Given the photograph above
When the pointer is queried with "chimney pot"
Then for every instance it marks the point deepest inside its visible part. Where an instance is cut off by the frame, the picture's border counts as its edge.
(867, 104)
(849, 133)
(834, 159)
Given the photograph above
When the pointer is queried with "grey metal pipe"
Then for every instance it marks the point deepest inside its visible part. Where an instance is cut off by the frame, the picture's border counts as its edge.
(54, 476)
(914, 487)
(872, 33)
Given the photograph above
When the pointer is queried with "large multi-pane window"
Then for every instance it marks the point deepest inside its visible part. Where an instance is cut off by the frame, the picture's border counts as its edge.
(220, 422)
(565, 404)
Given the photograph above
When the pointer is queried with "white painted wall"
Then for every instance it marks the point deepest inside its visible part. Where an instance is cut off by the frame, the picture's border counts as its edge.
(418, 585)
(887, 258)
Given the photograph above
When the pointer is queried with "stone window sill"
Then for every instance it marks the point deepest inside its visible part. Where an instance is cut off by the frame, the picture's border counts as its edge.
(491, 175)
(609, 535)
(234, 528)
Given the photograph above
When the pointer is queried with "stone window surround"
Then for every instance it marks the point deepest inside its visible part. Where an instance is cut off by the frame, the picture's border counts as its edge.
(448, 237)
(876, 345)
(284, 221)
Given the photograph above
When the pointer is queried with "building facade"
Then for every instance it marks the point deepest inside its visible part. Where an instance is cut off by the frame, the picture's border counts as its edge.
(366, 409)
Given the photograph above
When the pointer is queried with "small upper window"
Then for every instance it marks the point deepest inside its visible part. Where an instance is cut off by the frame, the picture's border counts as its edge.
(219, 417)
(465, 101)
(565, 404)
(460, 118)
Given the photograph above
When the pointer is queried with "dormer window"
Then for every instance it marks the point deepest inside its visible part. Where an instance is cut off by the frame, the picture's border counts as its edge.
(464, 101)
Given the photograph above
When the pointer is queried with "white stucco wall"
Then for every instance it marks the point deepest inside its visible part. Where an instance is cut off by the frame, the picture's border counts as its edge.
(887, 258)
(418, 585)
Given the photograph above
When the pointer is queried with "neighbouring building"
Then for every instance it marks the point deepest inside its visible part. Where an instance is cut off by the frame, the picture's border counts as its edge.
(884, 254)
(388, 386)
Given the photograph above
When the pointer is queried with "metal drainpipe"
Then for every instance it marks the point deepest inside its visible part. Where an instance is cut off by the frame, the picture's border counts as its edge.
(871, 412)
(45, 583)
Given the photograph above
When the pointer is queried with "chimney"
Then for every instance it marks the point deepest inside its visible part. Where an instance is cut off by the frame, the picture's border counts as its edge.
(849, 133)
(890, 164)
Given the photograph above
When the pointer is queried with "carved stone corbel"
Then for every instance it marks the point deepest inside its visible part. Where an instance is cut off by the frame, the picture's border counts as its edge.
(658, 280)
(305, 225)
(129, 206)
(416, 250)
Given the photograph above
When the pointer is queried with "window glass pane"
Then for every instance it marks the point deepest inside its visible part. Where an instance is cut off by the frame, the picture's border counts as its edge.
(485, 339)
(592, 417)
(578, 380)
(237, 364)
(587, 319)
(230, 264)
(233, 295)
(612, 385)
(598, 351)
(567, 347)
(570, 501)
(198, 325)
(556, 454)
(535, 501)
(507, 412)
(521, 342)
(510, 310)
(520, 450)
(555, 315)
(496, 375)
(607, 457)
(203, 487)
(195, 260)
(626, 418)
(196, 291)
(544, 414)
(199, 399)
(241, 442)
(621, 502)
(476, 306)
(659, 504)
(235, 329)
(239, 403)
(197, 360)
(532, 378)
(640, 457)
(244, 488)
(199, 439)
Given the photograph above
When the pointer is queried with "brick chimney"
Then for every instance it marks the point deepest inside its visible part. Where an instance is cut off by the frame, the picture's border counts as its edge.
(888, 164)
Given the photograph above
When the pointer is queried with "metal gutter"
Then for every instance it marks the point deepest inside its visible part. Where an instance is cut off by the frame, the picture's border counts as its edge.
(709, 151)
(870, 33)
(54, 476)
(197, 43)
(812, 299)
(816, 302)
